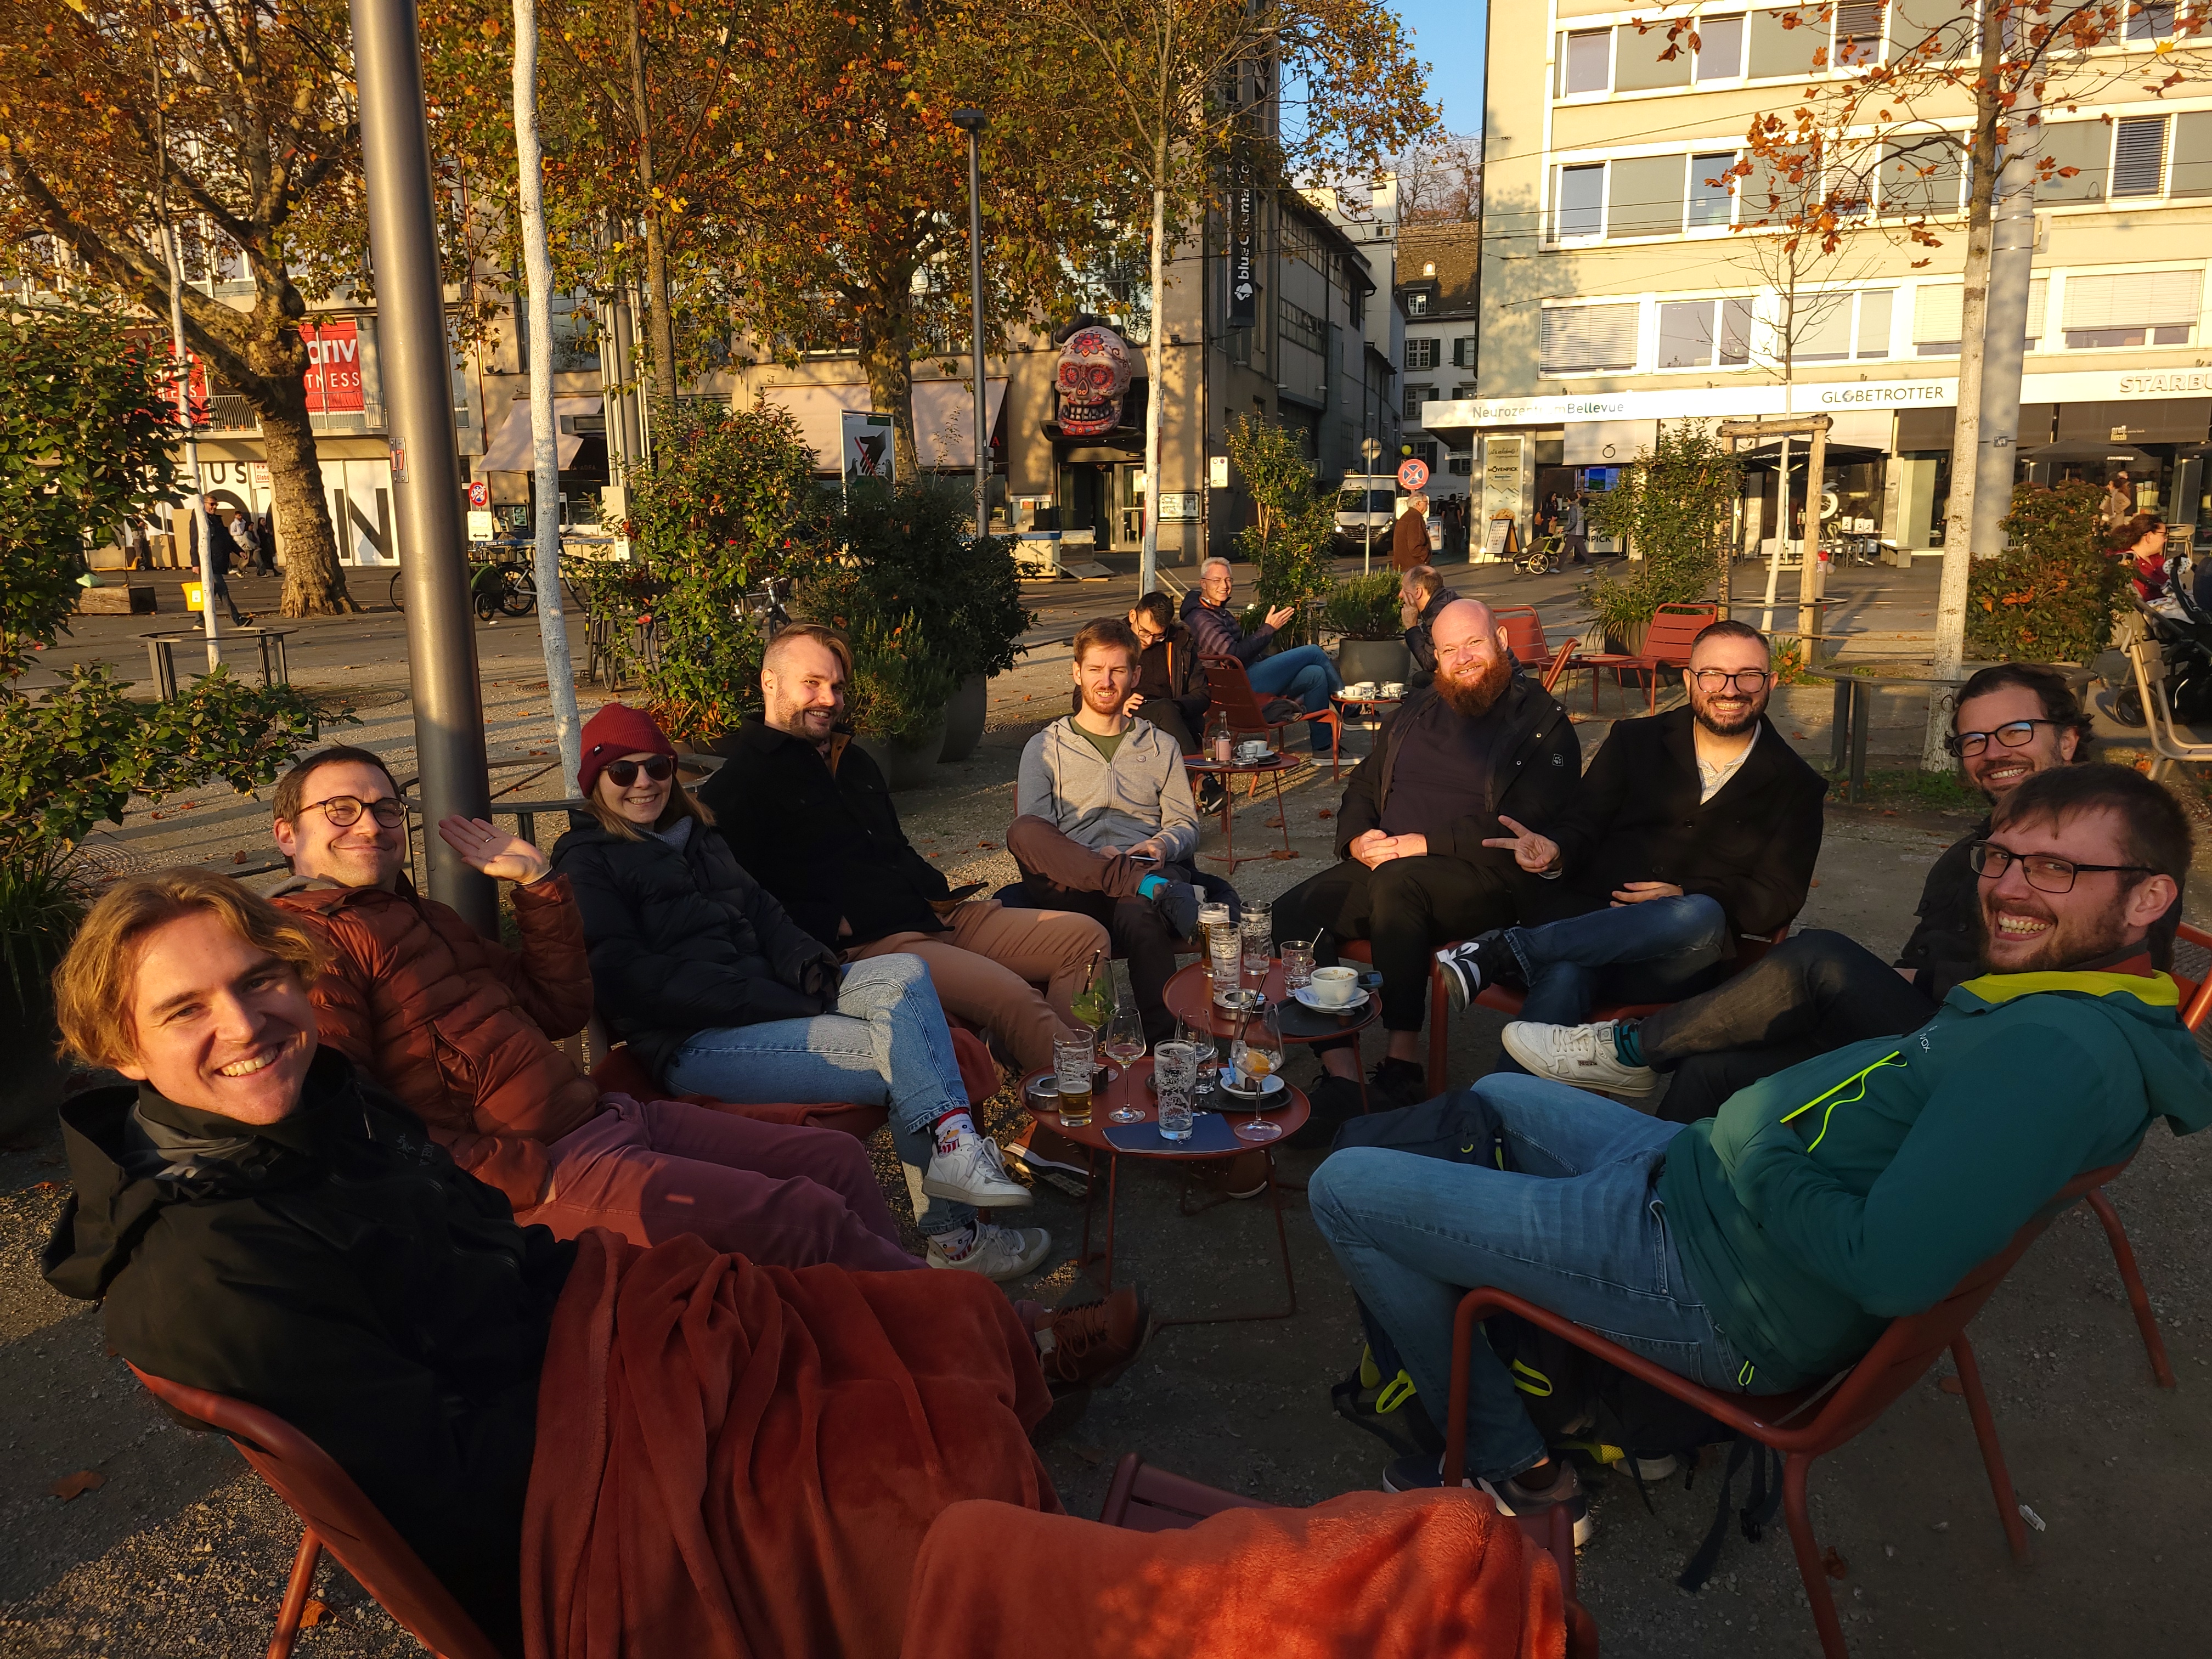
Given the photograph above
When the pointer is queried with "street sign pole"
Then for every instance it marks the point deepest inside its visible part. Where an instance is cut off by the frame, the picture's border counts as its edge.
(426, 478)
(971, 122)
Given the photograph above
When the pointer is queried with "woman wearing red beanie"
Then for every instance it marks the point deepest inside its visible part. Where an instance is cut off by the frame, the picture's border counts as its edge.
(719, 993)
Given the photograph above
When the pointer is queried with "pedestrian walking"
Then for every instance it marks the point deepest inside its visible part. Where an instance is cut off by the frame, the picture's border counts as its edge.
(222, 551)
(1577, 530)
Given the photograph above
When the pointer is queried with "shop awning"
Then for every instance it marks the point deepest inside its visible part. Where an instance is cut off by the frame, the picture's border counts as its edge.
(509, 449)
(941, 417)
(1768, 456)
(2084, 450)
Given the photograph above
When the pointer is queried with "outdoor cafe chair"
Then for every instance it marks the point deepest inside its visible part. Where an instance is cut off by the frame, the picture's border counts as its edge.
(1807, 1422)
(334, 1516)
(1665, 644)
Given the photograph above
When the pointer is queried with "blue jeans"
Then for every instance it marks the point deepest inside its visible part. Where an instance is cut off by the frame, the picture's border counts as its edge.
(1659, 950)
(1576, 1228)
(1303, 673)
(887, 1045)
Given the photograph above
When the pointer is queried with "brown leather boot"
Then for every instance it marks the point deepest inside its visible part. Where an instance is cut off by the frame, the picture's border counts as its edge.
(1090, 1346)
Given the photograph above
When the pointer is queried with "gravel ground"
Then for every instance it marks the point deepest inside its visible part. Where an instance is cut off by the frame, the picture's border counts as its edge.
(181, 1551)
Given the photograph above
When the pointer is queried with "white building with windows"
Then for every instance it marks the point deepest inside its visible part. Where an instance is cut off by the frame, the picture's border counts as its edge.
(1623, 279)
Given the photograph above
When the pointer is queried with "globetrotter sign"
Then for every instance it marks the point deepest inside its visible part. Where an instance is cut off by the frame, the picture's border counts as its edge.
(1806, 397)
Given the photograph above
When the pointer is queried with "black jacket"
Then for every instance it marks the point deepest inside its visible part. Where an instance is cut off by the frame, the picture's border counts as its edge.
(1169, 669)
(1535, 766)
(1752, 846)
(337, 1269)
(682, 940)
(1419, 638)
(828, 846)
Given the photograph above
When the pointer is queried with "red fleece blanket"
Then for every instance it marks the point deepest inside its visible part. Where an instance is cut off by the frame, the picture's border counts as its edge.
(1369, 1576)
(735, 1460)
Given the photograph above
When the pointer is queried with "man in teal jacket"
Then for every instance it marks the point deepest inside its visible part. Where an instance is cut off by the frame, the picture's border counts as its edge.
(1767, 1247)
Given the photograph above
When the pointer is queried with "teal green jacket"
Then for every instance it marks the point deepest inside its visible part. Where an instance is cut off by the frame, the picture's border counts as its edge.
(1826, 1201)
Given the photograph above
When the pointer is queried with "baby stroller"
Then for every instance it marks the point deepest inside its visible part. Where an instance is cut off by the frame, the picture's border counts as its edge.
(2182, 630)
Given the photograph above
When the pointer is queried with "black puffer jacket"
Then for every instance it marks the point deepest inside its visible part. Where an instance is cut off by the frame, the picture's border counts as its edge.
(337, 1269)
(682, 940)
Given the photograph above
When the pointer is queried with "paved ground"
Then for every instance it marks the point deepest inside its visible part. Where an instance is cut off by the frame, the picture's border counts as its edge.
(181, 1552)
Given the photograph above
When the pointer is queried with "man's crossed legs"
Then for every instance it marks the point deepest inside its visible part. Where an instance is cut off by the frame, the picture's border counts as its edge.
(1574, 1227)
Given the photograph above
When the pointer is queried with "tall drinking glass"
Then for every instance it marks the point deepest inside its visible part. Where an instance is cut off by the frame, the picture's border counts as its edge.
(1224, 955)
(1259, 929)
(1072, 1059)
(1175, 1072)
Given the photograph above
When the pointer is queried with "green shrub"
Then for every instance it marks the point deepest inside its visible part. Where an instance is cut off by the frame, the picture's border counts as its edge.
(2049, 595)
(911, 554)
(1673, 507)
(900, 683)
(1293, 529)
(1365, 607)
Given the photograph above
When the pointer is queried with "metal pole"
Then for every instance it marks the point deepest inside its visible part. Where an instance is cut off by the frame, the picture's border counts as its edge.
(2005, 324)
(425, 479)
(971, 122)
(182, 359)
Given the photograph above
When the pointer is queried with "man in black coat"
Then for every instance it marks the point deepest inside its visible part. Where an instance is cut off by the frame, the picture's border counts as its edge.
(809, 817)
(1818, 991)
(1172, 691)
(1418, 835)
(1422, 596)
(1692, 827)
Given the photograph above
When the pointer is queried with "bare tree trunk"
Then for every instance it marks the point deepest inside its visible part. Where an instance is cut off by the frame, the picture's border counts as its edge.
(1965, 430)
(1148, 560)
(314, 581)
(545, 442)
(887, 356)
(660, 319)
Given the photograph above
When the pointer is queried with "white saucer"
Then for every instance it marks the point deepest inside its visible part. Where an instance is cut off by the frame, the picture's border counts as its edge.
(1304, 994)
(1271, 1084)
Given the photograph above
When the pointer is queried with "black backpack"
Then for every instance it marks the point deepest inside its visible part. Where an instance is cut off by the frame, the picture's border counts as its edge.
(1579, 1403)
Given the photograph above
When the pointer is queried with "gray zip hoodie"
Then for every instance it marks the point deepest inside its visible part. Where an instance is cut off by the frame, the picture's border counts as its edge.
(1144, 794)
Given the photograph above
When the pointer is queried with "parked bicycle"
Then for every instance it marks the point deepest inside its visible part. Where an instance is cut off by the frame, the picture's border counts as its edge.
(497, 587)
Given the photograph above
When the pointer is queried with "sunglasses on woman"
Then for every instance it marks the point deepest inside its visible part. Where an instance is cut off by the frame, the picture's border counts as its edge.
(659, 767)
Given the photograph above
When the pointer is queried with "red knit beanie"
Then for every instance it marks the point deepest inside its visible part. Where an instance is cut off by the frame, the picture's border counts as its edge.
(617, 729)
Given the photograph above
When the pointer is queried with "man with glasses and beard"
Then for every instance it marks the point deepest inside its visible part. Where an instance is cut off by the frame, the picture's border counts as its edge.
(1692, 827)
(1818, 990)
(1418, 834)
(1765, 1249)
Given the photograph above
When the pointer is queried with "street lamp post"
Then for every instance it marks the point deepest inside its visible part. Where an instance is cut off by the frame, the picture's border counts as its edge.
(971, 122)
(426, 478)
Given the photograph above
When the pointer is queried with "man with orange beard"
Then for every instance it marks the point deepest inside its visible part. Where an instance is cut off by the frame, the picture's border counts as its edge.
(1483, 746)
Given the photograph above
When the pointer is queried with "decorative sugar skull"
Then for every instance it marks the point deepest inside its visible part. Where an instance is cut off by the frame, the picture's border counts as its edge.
(1094, 374)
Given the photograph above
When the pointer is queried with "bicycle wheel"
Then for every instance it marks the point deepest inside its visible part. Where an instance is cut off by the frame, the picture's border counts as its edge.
(398, 594)
(519, 593)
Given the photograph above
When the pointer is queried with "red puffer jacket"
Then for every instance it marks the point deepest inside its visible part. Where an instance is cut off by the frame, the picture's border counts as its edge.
(459, 1027)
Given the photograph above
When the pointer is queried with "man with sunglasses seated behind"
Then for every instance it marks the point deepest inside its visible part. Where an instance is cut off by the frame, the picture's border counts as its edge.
(1691, 827)
(1818, 990)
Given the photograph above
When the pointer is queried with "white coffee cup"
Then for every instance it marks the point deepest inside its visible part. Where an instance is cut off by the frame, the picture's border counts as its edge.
(1394, 688)
(1360, 688)
(1335, 986)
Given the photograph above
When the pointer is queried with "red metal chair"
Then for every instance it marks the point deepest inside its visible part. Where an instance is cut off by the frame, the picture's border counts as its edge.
(1524, 637)
(1809, 1422)
(1145, 1499)
(335, 1517)
(1666, 645)
(1239, 705)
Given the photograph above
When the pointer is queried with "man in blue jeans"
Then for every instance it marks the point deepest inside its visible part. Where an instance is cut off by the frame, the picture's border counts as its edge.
(1303, 673)
(1691, 827)
(1766, 1247)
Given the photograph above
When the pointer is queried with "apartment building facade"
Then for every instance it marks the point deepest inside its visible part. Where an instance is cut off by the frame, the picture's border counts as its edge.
(1624, 280)
(1438, 290)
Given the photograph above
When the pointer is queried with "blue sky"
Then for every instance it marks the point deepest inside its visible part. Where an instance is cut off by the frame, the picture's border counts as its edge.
(1448, 36)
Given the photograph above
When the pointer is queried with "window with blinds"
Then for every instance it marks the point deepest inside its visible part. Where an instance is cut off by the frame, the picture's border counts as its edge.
(2132, 308)
(2139, 156)
(1587, 339)
(1935, 317)
(1858, 34)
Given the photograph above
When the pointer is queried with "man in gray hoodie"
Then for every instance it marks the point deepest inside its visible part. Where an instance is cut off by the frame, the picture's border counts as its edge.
(1105, 822)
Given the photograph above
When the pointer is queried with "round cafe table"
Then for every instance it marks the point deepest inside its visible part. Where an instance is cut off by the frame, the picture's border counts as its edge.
(1271, 765)
(1131, 1087)
(1189, 998)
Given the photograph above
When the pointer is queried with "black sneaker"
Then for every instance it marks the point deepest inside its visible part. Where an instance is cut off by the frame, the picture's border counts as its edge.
(1421, 1472)
(1397, 1083)
(1468, 968)
(1334, 1102)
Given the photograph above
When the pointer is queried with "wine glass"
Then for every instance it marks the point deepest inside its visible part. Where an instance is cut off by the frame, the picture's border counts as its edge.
(1258, 1055)
(1125, 1041)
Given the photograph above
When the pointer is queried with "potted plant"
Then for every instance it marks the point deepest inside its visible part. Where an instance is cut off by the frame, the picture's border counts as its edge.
(1672, 506)
(895, 701)
(1364, 610)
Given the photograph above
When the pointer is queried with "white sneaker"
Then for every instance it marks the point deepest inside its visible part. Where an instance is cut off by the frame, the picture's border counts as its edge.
(998, 1253)
(1583, 1056)
(973, 1173)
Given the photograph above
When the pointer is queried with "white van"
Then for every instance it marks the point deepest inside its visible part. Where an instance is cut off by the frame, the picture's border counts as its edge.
(1369, 500)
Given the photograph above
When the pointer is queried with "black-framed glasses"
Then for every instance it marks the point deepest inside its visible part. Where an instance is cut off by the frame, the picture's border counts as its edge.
(2013, 734)
(1711, 680)
(389, 811)
(659, 767)
(1989, 860)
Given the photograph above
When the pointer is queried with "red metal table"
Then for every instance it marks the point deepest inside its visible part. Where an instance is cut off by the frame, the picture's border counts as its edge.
(1228, 771)
(1131, 1087)
(1190, 997)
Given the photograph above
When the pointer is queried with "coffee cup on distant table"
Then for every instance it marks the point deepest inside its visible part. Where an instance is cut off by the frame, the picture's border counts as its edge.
(1333, 987)
(1394, 688)
(1360, 688)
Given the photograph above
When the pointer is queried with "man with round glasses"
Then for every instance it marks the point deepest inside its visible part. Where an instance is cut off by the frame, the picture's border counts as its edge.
(1818, 990)
(1691, 827)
